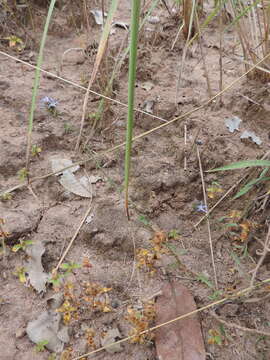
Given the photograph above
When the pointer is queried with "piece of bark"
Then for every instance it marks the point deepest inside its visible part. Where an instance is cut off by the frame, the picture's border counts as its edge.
(182, 339)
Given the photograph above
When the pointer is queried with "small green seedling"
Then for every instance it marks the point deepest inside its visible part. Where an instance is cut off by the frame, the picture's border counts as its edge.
(55, 280)
(41, 345)
(144, 220)
(22, 245)
(21, 274)
(15, 42)
(23, 173)
(69, 267)
(174, 234)
(215, 337)
(205, 280)
(216, 295)
(52, 356)
(68, 128)
(6, 196)
(36, 150)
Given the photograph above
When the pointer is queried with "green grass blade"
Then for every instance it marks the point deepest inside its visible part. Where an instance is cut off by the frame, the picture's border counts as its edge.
(242, 165)
(36, 82)
(249, 186)
(135, 17)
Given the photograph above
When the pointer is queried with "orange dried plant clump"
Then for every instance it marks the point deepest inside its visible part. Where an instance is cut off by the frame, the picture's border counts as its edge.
(141, 321)
(96, 296)
(146, 258)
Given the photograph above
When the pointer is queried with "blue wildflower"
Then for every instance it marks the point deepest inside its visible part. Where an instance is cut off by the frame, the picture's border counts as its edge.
(49, 103)
(201, 207)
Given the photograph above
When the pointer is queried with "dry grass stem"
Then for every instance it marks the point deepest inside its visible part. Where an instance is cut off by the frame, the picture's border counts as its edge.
(239, 327)
(265, 251)
(207, 220)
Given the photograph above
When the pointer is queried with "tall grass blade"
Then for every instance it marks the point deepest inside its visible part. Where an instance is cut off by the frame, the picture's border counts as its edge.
(36, 84)
(242, 165)
(135, 17)
(249, 186)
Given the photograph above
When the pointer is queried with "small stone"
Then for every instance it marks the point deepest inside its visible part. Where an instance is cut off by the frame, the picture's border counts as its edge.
(20, 333)
(115, 303)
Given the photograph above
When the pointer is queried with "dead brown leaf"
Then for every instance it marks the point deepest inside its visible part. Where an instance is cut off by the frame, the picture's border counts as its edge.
(181, 340)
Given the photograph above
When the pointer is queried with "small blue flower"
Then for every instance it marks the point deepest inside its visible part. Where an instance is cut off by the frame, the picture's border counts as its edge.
(49, 103)
(201, 207)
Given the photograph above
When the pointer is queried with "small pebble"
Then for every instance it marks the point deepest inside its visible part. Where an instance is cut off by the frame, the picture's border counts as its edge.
(20, 333)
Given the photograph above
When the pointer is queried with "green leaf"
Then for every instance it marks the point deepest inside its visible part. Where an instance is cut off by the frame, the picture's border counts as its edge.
(204, 279)
(41, 345)
(175, 250)
(135, 20)
(249, 186)
(242, 165)
(144, 220)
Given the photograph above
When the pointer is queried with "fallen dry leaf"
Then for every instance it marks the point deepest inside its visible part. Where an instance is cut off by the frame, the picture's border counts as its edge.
(181, 340)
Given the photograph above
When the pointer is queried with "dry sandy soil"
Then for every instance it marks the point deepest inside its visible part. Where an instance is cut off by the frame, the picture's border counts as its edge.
(163, 192)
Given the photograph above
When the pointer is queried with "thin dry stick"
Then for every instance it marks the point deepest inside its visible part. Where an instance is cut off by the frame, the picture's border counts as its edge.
(208, 83)
(181, 117)
(185, 146)
(208, 222)
(236, 326)
(263, 254)
(74, 237)
(218, 302)
(3, 235)
(101, 51)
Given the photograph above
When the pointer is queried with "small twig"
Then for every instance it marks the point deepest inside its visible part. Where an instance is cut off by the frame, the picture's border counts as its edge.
(185, 146)
(210, 94)
(236, 326)
(3, 237)
(263, 255)
(207, 220)
(74, 236)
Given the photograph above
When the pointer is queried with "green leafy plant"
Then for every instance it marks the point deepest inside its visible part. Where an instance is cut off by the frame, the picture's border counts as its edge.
(52, 356)
(6, 196)
(217, 294)
(36, 150)
(205, 280)
(215, 337)
(57, 277)
(68, 128)
(41, 345)
(174, 234)
(144, 220)
(22, 245)
(23, 173)
(69, 267)
(20, 273)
